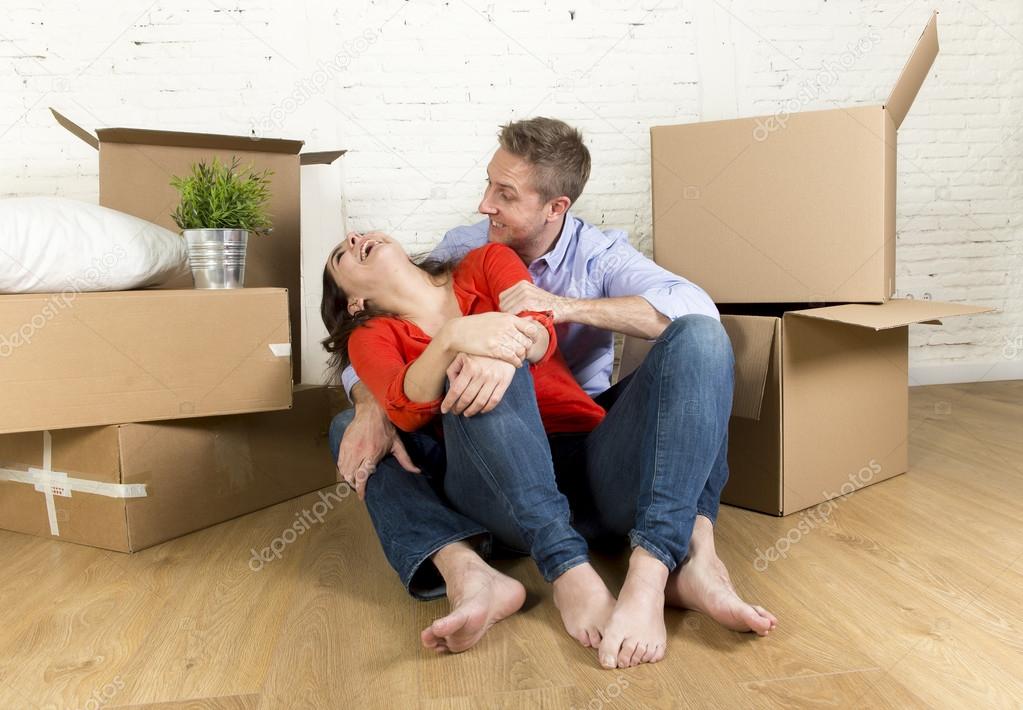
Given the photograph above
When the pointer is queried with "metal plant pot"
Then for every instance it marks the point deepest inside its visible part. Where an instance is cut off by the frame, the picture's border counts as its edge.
(217, 257)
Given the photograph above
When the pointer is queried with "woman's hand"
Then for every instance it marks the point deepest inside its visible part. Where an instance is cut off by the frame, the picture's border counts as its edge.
(502, 336)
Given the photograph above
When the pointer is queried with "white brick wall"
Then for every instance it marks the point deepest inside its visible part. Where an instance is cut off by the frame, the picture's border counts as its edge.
(416, 90)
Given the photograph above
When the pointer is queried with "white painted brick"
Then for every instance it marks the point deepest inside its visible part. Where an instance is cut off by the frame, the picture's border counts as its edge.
(418, 105)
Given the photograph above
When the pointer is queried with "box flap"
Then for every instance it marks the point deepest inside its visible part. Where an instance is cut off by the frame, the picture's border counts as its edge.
(752, 338)
(914, 73)
(75, 129)
(894, 314)
(323, 157)
(212, 141)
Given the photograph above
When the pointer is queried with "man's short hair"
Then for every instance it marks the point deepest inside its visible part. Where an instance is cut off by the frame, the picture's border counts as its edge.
(560, 160)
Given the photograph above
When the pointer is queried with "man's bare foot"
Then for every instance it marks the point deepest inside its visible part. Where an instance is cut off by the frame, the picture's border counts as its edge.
(585, 604)
(635, 633)
(702, 584)
(479, 595)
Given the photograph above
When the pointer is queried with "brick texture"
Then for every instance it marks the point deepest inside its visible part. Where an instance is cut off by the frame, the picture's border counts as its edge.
(416, 91)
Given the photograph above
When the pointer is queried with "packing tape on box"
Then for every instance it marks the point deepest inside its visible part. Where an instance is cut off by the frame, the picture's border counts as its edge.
(281, 349)
(57, 483)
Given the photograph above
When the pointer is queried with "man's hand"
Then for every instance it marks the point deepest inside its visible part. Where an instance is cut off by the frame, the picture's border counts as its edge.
(367, 440)
(525, 296)
(477, 384)
(493, 335)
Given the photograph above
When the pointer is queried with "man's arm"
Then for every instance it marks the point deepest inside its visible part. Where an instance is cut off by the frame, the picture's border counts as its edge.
(638, 297)
(631, 315)
(367, 440)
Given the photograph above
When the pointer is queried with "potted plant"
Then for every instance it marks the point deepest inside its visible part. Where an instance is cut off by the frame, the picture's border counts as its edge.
(220, 205)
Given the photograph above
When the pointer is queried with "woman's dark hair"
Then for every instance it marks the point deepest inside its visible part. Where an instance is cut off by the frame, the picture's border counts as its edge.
(341, 324)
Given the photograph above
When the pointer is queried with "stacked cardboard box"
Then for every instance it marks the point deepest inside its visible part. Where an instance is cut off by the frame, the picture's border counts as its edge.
(778, 218)
(135, 416)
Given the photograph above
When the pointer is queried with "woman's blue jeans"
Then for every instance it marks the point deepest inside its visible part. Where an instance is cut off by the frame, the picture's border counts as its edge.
(657, 461)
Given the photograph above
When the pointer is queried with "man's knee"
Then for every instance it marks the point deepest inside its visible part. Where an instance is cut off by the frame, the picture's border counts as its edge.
(697, 338)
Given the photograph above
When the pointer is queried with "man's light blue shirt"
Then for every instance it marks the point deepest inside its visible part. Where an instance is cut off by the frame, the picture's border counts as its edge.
(588, 263)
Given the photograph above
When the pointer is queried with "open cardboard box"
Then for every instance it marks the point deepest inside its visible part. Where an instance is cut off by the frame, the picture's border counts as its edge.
(821, 403)
(129, 486)
(135, 169)
(86, 359)
(796, 208)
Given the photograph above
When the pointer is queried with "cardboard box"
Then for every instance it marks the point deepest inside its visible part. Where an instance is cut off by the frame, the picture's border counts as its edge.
(796, 208)
(86, 359)
(135, 169)
(821, 404)
(129, 486)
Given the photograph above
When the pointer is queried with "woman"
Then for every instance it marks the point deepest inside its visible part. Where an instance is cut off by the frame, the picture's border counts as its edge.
(402, 325)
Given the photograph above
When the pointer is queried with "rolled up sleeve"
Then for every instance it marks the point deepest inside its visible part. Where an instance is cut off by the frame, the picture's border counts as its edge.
(546, 319)
(348, 380)
(375, 352)
(626, 272)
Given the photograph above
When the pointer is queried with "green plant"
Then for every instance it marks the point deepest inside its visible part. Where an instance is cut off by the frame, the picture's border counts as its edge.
(220, 196)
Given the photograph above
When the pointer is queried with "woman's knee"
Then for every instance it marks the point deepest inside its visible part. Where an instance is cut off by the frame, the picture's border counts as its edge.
(519, 393)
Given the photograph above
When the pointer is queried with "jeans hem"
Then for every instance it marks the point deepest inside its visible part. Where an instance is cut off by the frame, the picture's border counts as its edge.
(639, 540)
(441, 591)
(564, 567)
(712, 517)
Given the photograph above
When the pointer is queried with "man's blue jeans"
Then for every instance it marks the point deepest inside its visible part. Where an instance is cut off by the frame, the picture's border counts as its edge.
(657, 461)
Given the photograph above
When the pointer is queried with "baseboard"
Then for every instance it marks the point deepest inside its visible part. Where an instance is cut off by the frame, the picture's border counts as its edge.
(955, 372)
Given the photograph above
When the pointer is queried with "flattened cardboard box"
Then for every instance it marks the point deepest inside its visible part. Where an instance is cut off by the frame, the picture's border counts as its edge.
(129, 486)
(86, 359)
(135, 170)
(821, 404)
(796, 208)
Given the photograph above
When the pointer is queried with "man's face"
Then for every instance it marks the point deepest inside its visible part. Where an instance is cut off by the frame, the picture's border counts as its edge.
(516, 211)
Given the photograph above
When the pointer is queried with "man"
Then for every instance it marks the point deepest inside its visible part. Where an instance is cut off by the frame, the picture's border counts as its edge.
(595, 284)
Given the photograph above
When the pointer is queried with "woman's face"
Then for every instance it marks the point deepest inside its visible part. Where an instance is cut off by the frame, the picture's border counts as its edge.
(367, 265)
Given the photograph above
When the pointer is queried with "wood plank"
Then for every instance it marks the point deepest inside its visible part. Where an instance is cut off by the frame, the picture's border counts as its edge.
(904, 594)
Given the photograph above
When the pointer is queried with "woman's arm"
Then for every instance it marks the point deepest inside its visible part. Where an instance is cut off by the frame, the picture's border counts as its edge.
(424, 378)
(497, 335)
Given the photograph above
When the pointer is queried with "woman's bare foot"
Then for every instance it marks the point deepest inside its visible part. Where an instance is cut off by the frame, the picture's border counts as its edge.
(702, 584)
(635, 632)
(479, 595)
(585, 604)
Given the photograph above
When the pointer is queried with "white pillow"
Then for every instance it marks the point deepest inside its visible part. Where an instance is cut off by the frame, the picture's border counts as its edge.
(53, 244)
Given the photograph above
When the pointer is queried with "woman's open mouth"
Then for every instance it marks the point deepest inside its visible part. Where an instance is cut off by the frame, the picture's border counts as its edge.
(367, 247)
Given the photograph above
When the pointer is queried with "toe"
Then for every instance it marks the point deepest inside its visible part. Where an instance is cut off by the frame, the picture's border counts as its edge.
(608, 652)
(659, 653)
(447, 625)
(638, 654)
(625, 655)
(650, 653)
(428, 638)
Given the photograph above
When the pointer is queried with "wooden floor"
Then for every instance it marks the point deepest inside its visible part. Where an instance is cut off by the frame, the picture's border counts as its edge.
(910, 594)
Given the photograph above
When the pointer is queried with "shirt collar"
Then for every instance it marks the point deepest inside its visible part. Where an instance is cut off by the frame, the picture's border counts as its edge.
(556, 256)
